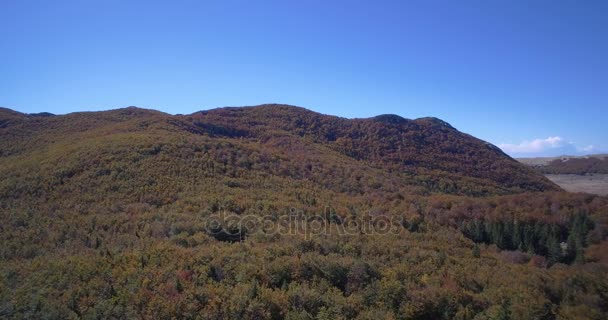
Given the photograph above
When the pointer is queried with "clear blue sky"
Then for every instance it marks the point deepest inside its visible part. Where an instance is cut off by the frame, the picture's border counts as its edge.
(504, 71)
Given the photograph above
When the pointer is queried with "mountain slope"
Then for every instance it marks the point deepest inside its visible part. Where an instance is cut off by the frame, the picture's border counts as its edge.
(425, 153)
(431, 151)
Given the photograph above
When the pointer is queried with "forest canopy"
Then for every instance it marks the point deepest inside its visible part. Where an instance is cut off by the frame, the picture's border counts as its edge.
(111, 215)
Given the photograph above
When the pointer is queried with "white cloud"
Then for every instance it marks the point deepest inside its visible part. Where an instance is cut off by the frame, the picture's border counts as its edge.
(588, 148)
(534, 146)
(548, 147)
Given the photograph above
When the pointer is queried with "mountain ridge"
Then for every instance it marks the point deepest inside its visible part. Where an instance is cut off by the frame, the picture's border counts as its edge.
(426, 151)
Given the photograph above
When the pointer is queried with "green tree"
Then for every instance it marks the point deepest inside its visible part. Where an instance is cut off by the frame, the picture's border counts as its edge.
(476, 251)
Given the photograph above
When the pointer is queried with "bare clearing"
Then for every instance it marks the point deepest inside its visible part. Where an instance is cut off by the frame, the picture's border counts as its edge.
(596, 184)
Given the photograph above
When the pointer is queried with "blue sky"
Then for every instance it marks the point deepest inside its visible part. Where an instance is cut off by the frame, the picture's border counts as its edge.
(529, 76)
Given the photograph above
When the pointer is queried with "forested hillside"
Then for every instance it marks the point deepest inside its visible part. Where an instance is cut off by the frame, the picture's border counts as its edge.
(133, 213)
(428, 151)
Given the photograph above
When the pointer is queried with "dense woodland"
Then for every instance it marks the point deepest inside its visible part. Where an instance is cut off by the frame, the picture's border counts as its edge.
(107, 215)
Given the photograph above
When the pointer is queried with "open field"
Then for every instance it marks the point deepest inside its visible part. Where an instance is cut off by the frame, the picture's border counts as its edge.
(596, 184)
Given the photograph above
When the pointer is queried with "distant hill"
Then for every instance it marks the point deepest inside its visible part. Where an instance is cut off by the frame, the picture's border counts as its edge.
(589, 164)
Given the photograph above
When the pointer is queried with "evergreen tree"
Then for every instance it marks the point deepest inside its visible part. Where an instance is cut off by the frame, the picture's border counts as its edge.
(529, 239)
(476, 251)
(517, 240)
(554, 251)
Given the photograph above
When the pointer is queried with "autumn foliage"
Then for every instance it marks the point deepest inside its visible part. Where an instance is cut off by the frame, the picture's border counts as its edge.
(106, 215)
